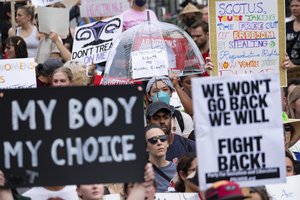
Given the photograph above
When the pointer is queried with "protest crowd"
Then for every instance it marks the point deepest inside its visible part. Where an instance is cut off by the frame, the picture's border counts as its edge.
(169, 133)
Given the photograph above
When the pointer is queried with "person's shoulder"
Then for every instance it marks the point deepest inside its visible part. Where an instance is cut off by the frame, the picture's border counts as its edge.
(127, 12)
(290, 23)
(173, 165)
(181, 138)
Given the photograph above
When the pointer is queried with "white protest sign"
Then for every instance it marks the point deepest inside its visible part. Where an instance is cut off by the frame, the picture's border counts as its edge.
(112, 197)
(286, 191)
(53, 20)
(44, 2)
(236, 122)
(96, 8)
(176, 196)
(17, 73)
(148, 63)
(92, 42)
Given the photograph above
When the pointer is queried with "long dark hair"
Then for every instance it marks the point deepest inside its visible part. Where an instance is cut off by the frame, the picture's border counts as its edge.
(19, 45)
(183, 165)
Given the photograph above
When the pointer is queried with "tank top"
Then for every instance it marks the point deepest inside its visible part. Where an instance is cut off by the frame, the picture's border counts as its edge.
(32, 42)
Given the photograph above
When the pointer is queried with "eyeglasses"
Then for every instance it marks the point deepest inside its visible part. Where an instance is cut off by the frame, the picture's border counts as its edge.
(154, 139)
(288, 128)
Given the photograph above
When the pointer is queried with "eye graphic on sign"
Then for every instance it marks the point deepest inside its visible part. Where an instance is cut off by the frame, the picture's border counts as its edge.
(97, 30)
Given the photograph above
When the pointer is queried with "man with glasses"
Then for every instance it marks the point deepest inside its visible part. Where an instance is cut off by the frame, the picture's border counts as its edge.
(161, 114)
(157, 146)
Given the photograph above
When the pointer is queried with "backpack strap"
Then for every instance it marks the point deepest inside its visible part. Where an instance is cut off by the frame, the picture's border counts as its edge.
(179, 118)
(161, 173)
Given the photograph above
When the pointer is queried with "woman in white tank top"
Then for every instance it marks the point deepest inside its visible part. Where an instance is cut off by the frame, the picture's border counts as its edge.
(27, 30)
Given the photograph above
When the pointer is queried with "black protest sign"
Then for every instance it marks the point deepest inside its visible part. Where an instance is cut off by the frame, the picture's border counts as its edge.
(237, 120)
(61, 136)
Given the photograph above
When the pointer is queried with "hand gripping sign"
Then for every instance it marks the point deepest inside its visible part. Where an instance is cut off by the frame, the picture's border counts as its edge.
(75, 136)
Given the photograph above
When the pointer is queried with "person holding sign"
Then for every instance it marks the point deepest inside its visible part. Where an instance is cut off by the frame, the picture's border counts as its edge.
(61, 76)
(27, 30)
(8, 194)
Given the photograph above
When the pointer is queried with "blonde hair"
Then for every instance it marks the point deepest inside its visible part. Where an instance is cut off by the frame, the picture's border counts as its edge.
(291, 99)
(78, 69)
(116, 188)
(29, 10)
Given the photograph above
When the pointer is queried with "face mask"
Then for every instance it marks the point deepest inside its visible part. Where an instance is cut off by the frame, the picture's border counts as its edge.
(190, 21)
(140, 3)
(161, 96)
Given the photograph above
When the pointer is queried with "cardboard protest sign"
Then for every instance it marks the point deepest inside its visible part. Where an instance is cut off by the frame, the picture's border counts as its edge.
(17, 73)
(176, 196)
(247, 36)
(287, 191)
(96, 8)
(236, 122)
(176, 48)
(148, 63)
(92, 42)
(83, 139)
(44, 2)
(53, 20)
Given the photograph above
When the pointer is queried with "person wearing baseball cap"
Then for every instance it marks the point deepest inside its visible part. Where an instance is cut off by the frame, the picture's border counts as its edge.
(44, 71)
(161, 114)
(224, 190)
(162, 88)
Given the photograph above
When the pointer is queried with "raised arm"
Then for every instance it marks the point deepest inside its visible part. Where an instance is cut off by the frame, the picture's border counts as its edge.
(64, 52)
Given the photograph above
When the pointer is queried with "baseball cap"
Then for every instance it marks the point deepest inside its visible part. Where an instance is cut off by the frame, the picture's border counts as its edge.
(51, 64)
(224, 190)
(157, 106)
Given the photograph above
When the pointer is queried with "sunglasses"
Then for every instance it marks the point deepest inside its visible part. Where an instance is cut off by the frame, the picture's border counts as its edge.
(288, 128)
(154, 139)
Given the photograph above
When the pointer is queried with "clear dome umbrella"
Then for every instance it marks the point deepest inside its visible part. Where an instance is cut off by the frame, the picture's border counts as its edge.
(152, 49)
